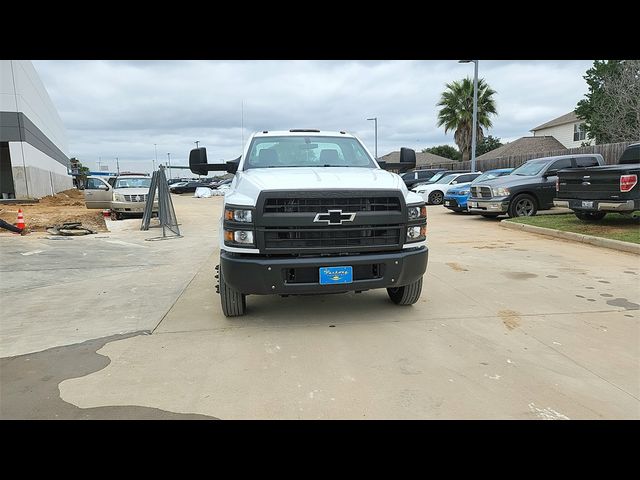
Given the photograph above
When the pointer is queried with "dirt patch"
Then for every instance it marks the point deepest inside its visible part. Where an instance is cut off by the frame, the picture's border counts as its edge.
(63, 207)
(519, 275)
(510, 318)
(457, 267)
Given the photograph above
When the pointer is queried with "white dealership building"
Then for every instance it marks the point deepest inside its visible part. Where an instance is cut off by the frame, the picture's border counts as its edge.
(33, 142)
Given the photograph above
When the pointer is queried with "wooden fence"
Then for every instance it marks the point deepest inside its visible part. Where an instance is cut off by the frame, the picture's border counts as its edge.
(610, 152)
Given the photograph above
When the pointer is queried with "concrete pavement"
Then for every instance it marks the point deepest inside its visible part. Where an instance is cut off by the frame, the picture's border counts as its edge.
(510, 325)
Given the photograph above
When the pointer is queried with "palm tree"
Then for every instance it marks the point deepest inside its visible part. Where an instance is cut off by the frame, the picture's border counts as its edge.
(457, 112)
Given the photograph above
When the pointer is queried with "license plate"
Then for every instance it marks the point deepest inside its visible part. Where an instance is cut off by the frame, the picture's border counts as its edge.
(333, 275)
(447, 203)
(473, 204)
(586, 204)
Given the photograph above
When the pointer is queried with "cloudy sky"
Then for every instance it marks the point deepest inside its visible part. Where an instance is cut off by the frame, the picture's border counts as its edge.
(121, 108)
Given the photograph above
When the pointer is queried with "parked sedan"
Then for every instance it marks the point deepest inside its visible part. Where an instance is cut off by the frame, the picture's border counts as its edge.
(433, 193)
(456, 197)
(189, 187)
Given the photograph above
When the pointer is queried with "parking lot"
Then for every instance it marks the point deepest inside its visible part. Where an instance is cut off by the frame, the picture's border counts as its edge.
(510, 325)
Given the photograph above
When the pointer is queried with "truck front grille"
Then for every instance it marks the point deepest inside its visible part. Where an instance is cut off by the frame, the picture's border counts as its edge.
(322, 205)
(135, 198)
(481, 192)
(362, 237)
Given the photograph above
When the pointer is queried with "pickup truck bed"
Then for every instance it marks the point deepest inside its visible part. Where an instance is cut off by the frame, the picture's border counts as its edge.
(597, 190)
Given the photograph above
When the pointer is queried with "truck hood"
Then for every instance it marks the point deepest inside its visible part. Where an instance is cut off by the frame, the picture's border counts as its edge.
(248, 184)
(509, 181)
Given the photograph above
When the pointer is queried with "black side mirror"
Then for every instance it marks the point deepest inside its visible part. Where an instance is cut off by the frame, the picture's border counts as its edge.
(198, 163)
(550, 173)
(407, 161)
(407, 155)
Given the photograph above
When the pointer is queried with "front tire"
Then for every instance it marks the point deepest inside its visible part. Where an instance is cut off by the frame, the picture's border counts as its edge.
(524, 205)
(406, 295)
(436, 197)
(590, 216)
(234, 303)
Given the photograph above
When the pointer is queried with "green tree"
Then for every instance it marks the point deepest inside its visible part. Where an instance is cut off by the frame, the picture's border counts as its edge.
(611, 108)
(446, 151)
(487, 144)
(457, 112)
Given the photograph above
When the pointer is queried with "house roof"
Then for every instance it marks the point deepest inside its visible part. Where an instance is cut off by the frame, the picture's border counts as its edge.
(570, 117)
(422, 158)
(524, 146)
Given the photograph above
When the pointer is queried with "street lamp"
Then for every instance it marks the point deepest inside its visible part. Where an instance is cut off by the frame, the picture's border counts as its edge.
(475, 112)
(375, 120)
(118, 165)
(155, 147)
(169, 158)
(197, 142)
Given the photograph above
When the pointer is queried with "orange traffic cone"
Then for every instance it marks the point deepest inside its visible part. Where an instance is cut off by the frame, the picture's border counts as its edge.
(20, 223)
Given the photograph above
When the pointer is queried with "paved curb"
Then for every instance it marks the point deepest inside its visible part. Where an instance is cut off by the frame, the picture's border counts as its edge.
(576, 237)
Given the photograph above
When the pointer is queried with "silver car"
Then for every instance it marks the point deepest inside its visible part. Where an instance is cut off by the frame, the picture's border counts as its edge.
(127, 194)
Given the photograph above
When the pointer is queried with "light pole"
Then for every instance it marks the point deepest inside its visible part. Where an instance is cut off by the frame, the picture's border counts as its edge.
(155, 147)
(169, 158)
(475, 112)
(375, 121)
(118, 165)
(197, 142)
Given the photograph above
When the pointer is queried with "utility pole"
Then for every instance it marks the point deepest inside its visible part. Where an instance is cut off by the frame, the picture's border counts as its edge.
(375, 121)
(242, 129)
(169, 158)
(155, 147)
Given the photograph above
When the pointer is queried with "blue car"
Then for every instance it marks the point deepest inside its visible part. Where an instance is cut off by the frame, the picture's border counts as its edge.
(456, 197)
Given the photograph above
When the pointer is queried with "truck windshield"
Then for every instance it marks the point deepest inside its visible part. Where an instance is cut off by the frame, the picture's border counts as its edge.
(133, 183)
(530, 168)
(489, 176)
(307, 151)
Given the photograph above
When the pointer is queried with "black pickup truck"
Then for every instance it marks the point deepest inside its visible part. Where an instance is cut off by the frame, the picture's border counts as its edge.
(594, 191)
(529, 188)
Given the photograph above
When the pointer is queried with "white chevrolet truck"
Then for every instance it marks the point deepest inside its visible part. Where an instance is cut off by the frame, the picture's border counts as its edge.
(312, 212)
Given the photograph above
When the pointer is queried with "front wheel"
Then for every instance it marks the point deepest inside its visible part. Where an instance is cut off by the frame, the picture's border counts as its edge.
(234, 303)
(435, 198)
(524, 205)
(406, 295)
(590, 216)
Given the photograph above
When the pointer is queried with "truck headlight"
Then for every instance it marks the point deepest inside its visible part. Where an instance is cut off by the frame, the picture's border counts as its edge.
(416, 233)
(417, 212)
(238, 215)
(464, 192)
(118, 198)
(239, 237)
(500, 192)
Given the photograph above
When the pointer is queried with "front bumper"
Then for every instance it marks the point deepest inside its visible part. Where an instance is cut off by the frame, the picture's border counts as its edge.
(599, 205)
(260, 275)
(131, 207)
(455, 202)
(498, 206)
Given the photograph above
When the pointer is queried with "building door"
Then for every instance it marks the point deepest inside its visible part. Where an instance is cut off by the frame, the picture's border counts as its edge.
(7, 189)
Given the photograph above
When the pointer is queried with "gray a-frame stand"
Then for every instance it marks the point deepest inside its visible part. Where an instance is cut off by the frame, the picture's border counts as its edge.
(166, 213)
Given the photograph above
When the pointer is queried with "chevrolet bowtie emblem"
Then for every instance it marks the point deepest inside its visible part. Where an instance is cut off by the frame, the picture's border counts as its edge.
(334, 217)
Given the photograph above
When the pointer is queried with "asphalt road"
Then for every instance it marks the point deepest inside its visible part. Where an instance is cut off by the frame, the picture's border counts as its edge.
(510, 325)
